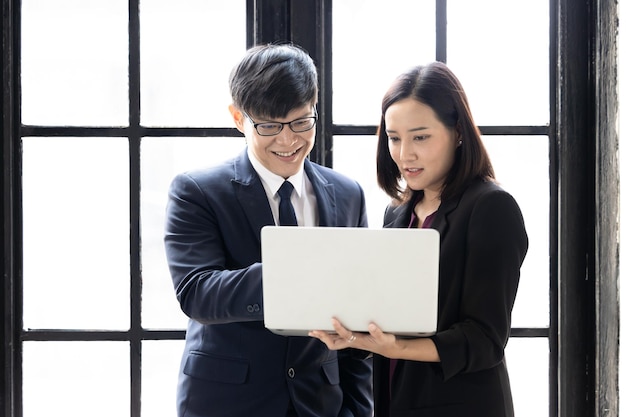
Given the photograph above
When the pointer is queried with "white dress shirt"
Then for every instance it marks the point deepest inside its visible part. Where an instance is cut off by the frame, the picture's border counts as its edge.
(303, 198)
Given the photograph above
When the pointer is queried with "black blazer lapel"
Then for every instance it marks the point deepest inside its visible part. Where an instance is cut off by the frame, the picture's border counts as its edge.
(447, 207)
(400, 216)
(441, 220)
(397, 216)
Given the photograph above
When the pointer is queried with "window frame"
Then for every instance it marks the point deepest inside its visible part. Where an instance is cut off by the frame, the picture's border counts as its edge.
(584, 304)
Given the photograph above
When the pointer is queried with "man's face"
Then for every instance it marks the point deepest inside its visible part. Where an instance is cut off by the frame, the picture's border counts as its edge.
(282, 153)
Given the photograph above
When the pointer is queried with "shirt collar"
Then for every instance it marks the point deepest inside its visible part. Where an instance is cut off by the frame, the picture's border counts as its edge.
(272, 181)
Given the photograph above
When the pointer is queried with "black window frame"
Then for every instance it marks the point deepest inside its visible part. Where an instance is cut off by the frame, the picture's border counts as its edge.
(584, 204)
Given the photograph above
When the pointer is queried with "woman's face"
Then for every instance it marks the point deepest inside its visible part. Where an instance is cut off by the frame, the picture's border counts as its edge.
(422, 147)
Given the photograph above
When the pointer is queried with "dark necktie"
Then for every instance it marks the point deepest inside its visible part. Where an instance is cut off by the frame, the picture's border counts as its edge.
(286, 214)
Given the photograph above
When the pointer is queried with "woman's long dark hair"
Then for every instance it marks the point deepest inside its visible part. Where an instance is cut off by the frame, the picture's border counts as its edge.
(437, 87)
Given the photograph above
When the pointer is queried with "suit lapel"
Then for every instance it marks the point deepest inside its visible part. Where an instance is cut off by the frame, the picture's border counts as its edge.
(325, 194)
(441, 221)
(399, 217)
(250, 193)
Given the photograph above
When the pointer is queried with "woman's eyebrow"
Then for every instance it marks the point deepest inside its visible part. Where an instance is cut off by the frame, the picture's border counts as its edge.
(415, 129)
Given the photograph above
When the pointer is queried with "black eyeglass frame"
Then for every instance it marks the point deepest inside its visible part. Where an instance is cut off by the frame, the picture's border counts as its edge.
(282, 125)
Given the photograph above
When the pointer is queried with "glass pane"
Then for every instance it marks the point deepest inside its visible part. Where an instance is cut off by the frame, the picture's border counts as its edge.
(188, 48)
(521, 165)
(74, 62)
(160, 363)
(500, 52)
(76, 226)
(76, 379)
(373, 42)
(161, 160)
(361, 166)
(528, 364)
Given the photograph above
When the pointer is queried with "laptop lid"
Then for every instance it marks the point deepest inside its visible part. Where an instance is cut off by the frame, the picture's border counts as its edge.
(359, 275)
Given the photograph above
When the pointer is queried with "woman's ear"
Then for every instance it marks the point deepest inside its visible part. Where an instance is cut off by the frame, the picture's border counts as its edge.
(238, 117)
(459, 136)
(458, 131)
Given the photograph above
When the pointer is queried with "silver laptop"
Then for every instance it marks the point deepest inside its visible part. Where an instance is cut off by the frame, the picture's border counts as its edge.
(359, 275)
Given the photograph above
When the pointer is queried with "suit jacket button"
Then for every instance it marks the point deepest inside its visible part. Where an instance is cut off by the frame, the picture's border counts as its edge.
(250, 308)
(291, 372)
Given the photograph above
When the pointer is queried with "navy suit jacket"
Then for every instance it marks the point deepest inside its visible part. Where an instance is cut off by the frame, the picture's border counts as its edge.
(483, 244)
(232, 366)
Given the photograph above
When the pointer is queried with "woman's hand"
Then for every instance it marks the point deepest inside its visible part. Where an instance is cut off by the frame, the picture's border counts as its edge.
(375, 341)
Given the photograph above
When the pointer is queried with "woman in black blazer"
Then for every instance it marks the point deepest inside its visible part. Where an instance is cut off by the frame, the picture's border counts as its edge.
(433, 164)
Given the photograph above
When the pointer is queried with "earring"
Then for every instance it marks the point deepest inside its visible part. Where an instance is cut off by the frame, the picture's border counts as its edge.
(460, 142)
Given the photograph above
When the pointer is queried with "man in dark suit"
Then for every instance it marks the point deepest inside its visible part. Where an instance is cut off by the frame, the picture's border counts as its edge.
(232, 366)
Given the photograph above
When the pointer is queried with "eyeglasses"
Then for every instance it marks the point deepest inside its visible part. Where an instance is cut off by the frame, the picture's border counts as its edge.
(274, 128)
